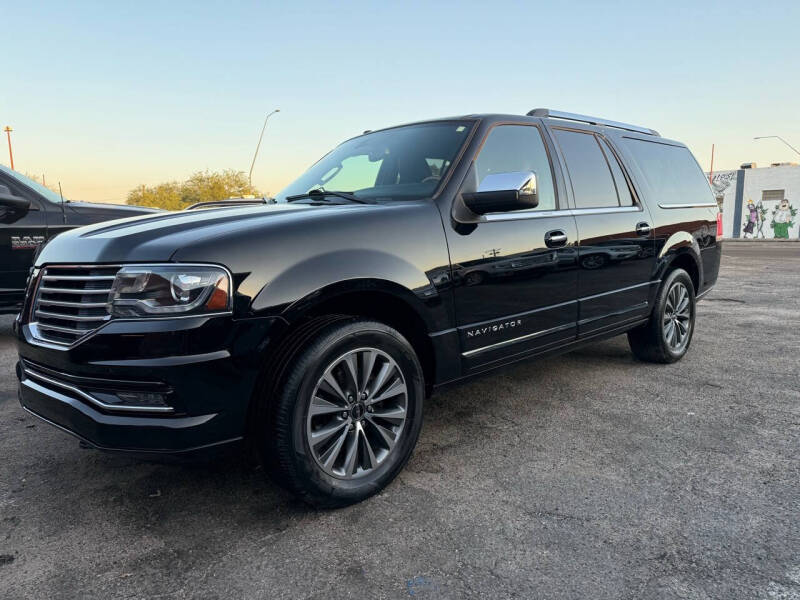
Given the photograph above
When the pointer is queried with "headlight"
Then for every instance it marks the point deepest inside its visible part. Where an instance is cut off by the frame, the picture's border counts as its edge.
(163, 290)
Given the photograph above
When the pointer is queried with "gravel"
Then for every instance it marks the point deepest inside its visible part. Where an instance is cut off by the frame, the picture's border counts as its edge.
(588, 475)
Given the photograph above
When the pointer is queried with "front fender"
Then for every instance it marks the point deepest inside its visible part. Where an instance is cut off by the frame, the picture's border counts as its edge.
(304, 282)
(426, 308)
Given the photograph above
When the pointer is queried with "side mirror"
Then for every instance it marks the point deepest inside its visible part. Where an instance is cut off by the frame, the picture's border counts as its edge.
(11, 202)
(503, 192)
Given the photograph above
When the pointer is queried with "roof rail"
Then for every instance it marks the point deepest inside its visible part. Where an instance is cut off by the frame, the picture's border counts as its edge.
(560, 114)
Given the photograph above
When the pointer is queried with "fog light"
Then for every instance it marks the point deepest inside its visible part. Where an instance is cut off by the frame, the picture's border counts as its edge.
(139, 399)
(142, 398)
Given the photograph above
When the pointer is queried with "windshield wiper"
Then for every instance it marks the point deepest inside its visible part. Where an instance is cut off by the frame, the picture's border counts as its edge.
(319, 194)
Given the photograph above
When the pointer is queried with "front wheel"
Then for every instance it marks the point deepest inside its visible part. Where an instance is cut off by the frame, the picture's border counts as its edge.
(347, 415)
(665, 338)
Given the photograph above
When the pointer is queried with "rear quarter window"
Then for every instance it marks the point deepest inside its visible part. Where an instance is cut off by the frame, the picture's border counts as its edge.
(672, 173)
(589, 172)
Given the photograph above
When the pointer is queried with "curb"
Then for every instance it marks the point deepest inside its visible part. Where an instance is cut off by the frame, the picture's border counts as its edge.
(758, 241)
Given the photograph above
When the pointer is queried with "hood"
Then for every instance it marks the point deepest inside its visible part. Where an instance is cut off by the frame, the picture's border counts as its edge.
(278, 252)
(161, 236)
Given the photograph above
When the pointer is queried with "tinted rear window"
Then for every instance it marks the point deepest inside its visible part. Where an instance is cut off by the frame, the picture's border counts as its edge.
(624, 192)
(589, 173)
(671, 172)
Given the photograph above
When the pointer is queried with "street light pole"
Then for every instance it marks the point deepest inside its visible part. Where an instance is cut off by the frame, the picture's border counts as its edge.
(764, 137)
(8, 131)
(253, 164)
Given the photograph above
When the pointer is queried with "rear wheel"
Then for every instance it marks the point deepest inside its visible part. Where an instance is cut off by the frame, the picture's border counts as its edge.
(347, 415)
(665, 338)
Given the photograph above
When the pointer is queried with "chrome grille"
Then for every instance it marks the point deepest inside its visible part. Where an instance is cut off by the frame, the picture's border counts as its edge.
(71, 302)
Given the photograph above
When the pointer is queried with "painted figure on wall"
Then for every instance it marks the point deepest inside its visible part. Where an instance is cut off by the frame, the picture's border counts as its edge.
(782, 219)
(762, 218)
(752, 219)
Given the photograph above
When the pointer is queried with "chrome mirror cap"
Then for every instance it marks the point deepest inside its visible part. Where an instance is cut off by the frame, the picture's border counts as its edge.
(504, 192)
(524, 182)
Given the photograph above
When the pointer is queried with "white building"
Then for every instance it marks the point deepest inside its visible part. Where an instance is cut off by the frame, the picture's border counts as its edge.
(759, 203)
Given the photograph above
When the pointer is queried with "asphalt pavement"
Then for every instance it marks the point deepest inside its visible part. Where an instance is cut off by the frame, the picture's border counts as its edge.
(585, 476)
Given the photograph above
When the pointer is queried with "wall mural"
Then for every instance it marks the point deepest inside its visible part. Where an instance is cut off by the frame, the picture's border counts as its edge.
(757, 202)
(720, 183)
(783, 219)
(754, 220)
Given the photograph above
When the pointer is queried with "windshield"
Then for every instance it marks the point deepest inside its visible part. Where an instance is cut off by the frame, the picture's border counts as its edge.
(37, 187)
(403, 163)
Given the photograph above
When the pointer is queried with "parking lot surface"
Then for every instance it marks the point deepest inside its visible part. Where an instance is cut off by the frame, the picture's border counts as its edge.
(588, 475)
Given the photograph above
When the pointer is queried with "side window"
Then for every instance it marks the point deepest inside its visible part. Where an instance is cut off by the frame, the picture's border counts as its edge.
(10, 186)
(623, 190)
(671, 171)
(511, 148)
(15, 188)
(592, 182)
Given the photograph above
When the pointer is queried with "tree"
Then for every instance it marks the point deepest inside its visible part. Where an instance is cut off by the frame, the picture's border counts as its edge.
(163, 195)
(203, 186)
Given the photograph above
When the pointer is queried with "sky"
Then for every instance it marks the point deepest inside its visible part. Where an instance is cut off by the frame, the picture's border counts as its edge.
(106, 96)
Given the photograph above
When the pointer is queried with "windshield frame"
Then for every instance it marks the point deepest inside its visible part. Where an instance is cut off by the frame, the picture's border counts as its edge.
(471, 122)
(42, 191)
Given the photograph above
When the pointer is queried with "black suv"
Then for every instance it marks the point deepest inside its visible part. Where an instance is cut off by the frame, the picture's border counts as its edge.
(405, 259)
(30, 214)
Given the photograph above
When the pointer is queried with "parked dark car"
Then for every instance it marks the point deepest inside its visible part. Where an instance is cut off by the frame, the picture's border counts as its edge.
(30, 214)
(317, 326)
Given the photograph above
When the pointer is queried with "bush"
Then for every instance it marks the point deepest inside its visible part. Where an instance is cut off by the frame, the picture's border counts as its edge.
(203, 186)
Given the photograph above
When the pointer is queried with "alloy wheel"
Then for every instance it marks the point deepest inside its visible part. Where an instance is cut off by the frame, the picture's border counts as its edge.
(677, 319)
(357, 413)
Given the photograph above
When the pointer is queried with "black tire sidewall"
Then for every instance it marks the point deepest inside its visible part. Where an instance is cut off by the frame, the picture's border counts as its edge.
(683, 277)
(310, 367)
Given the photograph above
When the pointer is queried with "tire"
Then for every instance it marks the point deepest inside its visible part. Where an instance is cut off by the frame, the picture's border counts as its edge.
(349, 465)
(657, 341)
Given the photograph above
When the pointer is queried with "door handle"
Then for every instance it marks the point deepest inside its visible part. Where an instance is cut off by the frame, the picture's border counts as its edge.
(555, 238)
(643, 229)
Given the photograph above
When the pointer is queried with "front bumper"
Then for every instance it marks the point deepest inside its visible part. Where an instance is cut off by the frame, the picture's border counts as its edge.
(201, 371)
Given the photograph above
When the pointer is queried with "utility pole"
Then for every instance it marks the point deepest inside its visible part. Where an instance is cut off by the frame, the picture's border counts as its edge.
(250, 175)
(8, 131)
(711, 172)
